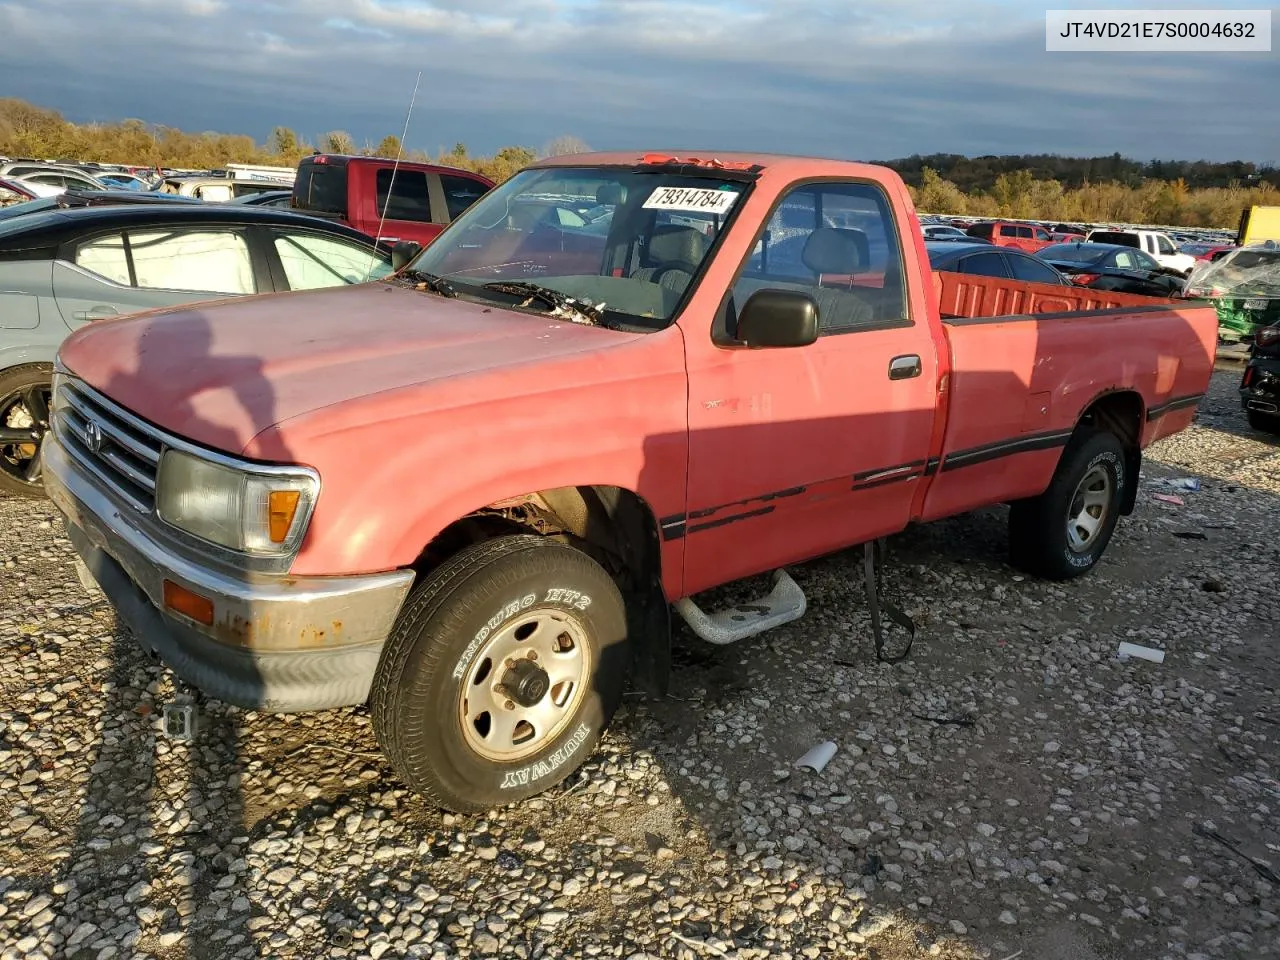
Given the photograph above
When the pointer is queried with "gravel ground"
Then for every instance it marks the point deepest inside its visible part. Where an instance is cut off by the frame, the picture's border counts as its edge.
(1012, 786)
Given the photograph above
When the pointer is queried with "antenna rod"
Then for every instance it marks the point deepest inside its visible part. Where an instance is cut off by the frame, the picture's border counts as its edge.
(392, 185)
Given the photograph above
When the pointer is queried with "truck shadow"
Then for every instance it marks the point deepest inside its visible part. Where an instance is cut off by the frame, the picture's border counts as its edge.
(175, 807)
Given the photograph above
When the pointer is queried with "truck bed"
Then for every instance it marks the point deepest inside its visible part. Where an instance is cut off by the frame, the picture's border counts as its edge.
(1026, 360)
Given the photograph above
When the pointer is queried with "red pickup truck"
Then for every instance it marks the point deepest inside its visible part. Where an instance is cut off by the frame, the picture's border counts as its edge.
(418, 199)
(472, 493)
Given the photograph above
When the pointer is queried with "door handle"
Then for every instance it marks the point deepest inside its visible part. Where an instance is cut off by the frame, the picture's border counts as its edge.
(99, 312)
(904, 367)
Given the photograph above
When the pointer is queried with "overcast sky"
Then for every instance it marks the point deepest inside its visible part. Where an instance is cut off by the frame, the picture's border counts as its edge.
(862, 79)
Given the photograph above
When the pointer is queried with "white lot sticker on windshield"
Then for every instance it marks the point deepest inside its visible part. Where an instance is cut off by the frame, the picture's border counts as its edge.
(691, 200)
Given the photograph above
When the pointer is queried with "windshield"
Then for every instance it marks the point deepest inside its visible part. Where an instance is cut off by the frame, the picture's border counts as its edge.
(1075, 252)
(28, 206)
(631, 240)
(1252, 271)
(1117, 237)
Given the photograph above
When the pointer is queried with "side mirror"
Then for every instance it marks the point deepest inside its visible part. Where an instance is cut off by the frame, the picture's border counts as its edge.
(778, 318)
(402, 253)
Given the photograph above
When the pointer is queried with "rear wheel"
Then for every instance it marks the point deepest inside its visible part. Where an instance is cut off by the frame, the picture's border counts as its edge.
(1266, 422)
(1063, 532)
(503, 670)
(24, 418)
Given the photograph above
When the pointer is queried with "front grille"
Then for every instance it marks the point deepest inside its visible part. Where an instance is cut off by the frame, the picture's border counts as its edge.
(118, 448)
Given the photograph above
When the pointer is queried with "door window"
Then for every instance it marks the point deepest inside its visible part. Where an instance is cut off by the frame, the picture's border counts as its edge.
(838, 243)
(1033, 271)
(460, 193)
(105, 256)
(311, 261)
(985, 265)
(1008, 231)
(409, 197)
(1125, 260)
(214, 261)
(1024, 233)
(1164, 246)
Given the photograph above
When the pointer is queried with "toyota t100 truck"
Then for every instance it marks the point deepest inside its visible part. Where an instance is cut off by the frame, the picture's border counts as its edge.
(472, 493)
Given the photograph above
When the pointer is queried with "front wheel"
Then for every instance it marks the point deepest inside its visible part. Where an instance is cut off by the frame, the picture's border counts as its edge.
(24, 419)
(1063, 532)
(503, 670)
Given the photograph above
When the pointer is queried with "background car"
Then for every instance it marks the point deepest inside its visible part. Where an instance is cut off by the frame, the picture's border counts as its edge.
(79, 265)
(123, 181)
(267, 198)
(983, 260)
(1110, 266)
(50, 175)
(1021, 236)
(940, 231)
(1260, 385)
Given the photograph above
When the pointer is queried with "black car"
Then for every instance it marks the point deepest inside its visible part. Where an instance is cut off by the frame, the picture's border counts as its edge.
(62, 268)
(1260, 386)
(1110, 266)
(983, 260)
(266, 198)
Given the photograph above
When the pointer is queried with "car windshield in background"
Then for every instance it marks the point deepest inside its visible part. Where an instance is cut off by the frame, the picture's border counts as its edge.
(1117, 237)
(632, 240)
(1074, 252)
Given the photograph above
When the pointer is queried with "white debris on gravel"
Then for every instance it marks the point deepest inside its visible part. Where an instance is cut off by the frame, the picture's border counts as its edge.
(1012, 786)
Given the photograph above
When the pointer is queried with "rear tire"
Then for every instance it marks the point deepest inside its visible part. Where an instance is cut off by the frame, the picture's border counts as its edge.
(1063, 533)
(1266, 422)
(465, 715)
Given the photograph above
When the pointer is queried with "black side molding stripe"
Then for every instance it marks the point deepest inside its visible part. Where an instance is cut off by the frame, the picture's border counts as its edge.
(763, 498)
(1177, 403)
(732, 518)
(1006, 448)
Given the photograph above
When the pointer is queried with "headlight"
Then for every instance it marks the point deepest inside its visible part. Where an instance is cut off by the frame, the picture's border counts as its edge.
(254, 512)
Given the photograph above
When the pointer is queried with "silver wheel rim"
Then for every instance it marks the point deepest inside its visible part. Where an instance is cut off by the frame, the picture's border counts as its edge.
(502, 718)
(1088, 511)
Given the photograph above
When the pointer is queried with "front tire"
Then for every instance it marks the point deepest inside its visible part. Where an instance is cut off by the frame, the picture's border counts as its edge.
(1063, 533)
(503, 670)
(24, 420)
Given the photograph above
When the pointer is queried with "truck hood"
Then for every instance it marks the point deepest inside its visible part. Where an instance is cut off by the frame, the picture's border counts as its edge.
(219, 373)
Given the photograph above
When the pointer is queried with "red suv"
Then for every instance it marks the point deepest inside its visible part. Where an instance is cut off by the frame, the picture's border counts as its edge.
(1024, 236)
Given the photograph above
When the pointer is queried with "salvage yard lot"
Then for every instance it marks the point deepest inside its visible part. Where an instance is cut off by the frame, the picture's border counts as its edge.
(1011, 786)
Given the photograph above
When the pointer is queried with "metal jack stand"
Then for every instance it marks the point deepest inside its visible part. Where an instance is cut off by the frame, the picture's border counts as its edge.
(873, 558)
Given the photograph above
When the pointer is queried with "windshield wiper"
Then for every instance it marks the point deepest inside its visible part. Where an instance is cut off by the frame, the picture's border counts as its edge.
(562, 305)
(429, 281)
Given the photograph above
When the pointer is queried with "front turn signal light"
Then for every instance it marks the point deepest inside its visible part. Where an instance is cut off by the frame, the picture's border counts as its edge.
(282, 506)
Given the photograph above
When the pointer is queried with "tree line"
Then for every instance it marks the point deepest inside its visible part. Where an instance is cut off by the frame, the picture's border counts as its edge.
(1044, 187)
(1021, 195)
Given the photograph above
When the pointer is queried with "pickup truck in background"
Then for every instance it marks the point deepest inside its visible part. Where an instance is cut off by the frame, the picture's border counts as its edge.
(1159, 246)
(418, 199)
(471, 493)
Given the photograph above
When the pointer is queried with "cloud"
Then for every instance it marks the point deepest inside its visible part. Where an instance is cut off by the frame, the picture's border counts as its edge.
(876, 79)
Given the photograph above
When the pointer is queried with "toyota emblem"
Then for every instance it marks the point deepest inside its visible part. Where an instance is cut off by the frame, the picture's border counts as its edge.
(93, 435)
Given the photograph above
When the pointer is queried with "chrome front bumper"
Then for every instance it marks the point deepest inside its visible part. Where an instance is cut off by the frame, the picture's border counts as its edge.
(277, 643)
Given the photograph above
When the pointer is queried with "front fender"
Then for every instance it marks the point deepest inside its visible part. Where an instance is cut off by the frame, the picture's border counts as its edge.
(389, 487)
